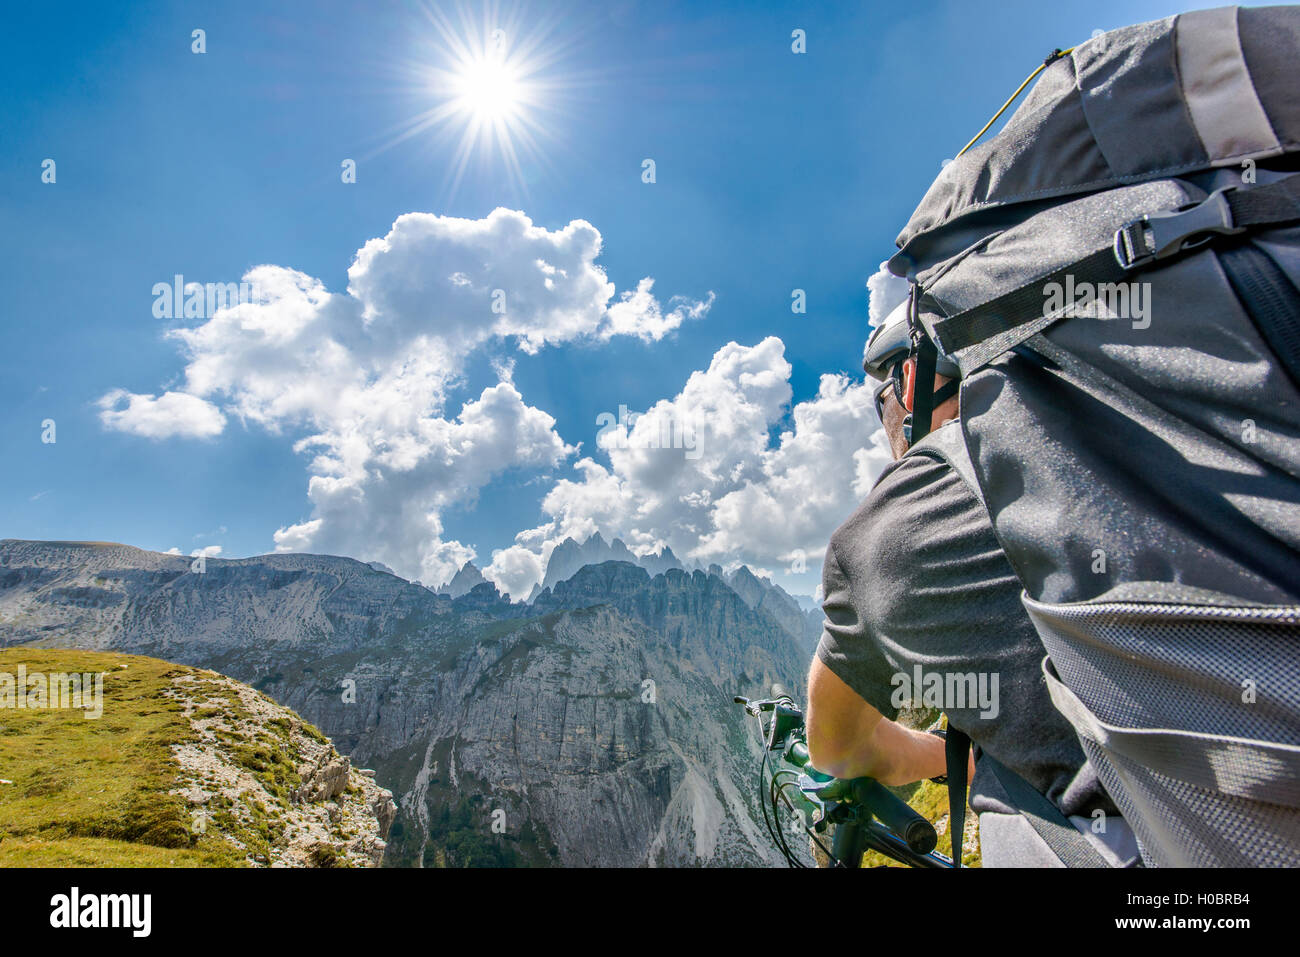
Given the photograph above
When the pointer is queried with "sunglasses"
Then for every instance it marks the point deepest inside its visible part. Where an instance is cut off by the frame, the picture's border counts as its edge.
(895, 382)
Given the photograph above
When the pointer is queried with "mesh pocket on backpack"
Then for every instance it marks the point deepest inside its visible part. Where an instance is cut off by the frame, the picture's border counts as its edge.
(1191, 717)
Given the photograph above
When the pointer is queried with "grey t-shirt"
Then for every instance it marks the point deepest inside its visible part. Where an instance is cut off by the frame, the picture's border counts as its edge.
(916, 578)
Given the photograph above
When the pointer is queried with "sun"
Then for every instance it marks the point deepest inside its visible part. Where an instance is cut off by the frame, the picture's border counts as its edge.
(487, 89)
(492, 94)
(490, 89)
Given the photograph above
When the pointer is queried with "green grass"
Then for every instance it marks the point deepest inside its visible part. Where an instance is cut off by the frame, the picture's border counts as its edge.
(271, 765)
(95, 792)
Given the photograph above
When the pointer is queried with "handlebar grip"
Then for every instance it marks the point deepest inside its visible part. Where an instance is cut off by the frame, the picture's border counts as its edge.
(895, 814)
(796, 752)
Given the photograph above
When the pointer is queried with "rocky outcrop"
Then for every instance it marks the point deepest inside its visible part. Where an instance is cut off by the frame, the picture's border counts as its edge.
(273, 785)
(174, 766)
(324, 778)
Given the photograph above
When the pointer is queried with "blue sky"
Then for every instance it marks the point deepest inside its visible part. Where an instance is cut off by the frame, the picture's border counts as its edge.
(774, 171)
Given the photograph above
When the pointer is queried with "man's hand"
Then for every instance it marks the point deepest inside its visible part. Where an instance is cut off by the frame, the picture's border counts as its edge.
(848, 738)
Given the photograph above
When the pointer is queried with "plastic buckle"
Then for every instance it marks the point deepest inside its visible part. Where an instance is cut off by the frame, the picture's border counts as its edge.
(1161, 235)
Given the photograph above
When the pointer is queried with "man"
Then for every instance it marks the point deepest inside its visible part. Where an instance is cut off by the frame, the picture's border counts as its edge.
(916, 586)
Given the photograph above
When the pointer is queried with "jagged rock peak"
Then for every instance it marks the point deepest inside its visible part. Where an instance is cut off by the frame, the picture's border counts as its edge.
(465, 580)
(568, 557)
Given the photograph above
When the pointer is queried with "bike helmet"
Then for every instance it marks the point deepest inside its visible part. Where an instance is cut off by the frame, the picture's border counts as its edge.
(891, 342)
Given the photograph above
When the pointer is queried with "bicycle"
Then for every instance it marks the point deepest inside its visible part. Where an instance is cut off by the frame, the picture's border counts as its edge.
(865, 814)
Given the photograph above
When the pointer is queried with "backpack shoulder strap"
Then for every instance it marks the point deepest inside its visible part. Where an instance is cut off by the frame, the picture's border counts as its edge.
(947, 444)
(956, 748)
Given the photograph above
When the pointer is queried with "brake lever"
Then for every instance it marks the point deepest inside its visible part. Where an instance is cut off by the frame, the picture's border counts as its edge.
(814, 791)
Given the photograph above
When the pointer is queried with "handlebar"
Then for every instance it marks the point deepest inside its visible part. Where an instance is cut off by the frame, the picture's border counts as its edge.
(904, 830)
(893, 812)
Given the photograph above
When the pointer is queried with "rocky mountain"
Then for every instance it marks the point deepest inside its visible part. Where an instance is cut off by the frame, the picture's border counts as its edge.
(808, 603)
(594, 727)
(469, 577)
(568, 557)
(161, 764)
(656, 563)
(802, 621)
(762, 594)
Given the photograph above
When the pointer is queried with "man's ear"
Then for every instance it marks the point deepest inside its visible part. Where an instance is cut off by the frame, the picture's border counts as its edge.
(909, 382)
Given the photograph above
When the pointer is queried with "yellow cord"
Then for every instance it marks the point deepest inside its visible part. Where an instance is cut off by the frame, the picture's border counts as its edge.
(1056, 55)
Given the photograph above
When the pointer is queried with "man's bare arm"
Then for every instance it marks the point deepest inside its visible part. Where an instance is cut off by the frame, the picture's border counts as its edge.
(848, 738)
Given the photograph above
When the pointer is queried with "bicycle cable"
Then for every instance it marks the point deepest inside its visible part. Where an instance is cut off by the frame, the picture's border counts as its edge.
(773, 791)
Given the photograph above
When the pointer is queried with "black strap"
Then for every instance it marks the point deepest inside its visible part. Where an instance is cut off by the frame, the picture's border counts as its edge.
(1271, 300)
(1005, 322)
(923, 388)
(944, 393)
(956, 748)
(1268, 205)
(1064, 839)
(1017, 309)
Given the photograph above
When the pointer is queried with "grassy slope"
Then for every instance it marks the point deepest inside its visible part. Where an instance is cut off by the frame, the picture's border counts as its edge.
(94, 792)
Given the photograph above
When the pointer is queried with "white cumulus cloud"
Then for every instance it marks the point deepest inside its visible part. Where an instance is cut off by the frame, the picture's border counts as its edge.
(733, 492)
(885, 293)
(360, 379)
(170, 415)
(382, 498)
(207, 551)
(515, 570)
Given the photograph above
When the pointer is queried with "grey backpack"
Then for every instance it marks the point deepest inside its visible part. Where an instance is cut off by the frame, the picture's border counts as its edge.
(1116, 275)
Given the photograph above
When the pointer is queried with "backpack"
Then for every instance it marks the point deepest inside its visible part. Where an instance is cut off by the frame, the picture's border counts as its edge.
(1057, 833)
(1115, 273)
